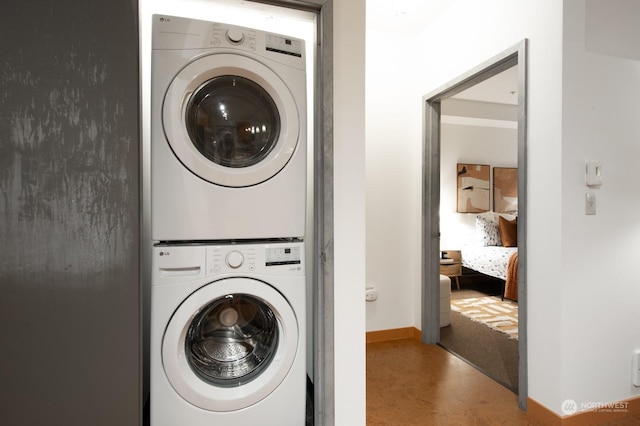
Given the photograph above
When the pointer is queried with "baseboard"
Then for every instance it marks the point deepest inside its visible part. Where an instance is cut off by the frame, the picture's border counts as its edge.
(618, 411)
(542, 414)
(393, 334)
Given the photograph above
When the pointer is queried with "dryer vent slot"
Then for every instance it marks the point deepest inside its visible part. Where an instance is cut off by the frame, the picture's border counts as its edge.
(180, 272)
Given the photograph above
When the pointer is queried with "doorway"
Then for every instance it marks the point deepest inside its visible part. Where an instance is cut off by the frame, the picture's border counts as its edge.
(432, 139)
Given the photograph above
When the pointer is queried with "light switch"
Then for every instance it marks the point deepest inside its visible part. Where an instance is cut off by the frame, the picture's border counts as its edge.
(594, 174)
(590, 203)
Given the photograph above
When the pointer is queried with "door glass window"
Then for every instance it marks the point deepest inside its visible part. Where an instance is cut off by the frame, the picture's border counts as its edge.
(232, 340)
(233, 121)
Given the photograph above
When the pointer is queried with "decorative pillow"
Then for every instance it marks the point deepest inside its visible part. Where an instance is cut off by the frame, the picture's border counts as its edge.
(508, 231)
(487, 231)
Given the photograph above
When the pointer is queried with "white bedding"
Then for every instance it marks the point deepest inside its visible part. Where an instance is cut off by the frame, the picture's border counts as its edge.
(490, 260)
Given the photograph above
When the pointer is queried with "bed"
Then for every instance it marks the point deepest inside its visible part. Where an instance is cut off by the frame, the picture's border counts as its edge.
(495, 253)
(489, 260)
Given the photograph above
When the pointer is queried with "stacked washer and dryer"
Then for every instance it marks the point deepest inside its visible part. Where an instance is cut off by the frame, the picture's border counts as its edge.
(228, 197)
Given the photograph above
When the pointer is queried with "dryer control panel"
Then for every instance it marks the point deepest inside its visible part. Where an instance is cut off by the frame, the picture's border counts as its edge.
(234, 36)
(173, 32)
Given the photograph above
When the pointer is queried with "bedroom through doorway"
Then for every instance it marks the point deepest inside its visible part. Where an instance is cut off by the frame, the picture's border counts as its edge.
(478, 200)
(474, 219)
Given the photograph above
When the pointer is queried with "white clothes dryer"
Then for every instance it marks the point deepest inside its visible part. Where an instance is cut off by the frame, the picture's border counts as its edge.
(228, 335)
(228, 132)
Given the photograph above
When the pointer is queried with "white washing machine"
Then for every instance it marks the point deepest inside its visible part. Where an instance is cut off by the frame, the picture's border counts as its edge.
(228, 335)
(228, 132)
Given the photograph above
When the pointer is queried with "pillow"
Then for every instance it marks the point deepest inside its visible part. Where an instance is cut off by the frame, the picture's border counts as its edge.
(487, 231)
(508, 231)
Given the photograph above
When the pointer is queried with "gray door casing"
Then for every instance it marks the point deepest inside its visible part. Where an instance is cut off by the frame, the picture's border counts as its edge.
(430, 320)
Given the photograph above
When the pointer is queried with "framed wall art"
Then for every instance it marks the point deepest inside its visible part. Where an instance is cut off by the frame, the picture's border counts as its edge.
(473, 188)
(505, 190)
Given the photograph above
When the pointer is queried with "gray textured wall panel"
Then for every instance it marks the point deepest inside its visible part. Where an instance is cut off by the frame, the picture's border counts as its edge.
(69, 212)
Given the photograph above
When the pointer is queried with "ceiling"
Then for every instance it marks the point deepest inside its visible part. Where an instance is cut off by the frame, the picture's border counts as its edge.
(405, 16)
(500, 89)
(411, 16)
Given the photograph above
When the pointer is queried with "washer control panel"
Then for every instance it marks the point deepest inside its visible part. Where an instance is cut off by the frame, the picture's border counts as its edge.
(234, 259)
(280, 258)
(177, 263)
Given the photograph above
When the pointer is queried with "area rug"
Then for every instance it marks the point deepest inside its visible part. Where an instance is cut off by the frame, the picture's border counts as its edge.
(500, 315)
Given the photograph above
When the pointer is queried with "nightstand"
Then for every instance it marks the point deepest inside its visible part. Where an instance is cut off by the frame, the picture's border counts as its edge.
(451, 265)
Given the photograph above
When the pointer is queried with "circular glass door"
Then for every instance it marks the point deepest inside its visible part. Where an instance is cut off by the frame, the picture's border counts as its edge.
(232, 340)
(230, 344)
(231, 120)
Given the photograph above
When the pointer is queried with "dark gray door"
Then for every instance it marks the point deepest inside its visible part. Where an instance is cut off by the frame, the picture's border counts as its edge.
(69, 179)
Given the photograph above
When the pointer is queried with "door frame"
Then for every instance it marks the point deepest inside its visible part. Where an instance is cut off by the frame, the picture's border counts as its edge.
(431, 150)
(323, 288)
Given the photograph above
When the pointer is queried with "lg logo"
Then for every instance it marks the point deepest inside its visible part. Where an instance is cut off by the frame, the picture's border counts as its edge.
(164, 253)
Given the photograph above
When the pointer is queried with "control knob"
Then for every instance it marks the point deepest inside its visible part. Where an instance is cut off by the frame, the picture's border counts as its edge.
(234, 259)
(235, 36)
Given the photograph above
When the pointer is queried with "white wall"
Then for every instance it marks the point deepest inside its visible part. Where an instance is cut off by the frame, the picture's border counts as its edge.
(393, 151)
(467, 34)
(349, 211)
(471, 33)
(598, 292)
(497, 147)
(582, 300)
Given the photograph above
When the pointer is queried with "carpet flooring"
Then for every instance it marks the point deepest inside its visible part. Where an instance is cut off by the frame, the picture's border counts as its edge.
(492, 352)
(500, 315)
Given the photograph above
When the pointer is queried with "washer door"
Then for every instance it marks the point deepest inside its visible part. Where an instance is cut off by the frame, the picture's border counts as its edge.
(230, 120)
(230, 344)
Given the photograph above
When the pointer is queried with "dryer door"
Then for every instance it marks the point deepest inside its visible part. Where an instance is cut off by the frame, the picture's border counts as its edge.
(231, 120)
(230, 344)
